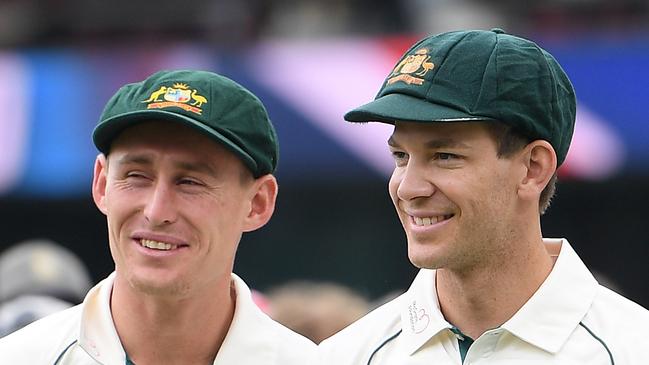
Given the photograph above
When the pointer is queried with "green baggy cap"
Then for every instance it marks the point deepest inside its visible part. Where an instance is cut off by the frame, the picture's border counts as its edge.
(478, 76)
(210, 103)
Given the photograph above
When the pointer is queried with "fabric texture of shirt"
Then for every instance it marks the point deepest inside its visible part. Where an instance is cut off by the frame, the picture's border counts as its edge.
(570, 319)
(85, 335)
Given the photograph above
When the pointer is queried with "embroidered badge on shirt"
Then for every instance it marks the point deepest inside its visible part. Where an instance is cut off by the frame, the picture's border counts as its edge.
(419, 319)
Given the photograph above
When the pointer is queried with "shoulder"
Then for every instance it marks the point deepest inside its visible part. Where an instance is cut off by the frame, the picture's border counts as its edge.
(621, 324)
(253, 335)
(355, 343)
(292, 348)
(43, 340)
(614, 311)
(275, 330)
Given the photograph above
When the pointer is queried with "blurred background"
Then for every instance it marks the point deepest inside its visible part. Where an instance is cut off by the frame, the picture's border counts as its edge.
(311, 61)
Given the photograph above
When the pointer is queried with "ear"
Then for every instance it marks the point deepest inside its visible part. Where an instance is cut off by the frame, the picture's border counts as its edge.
(262, 204)
(99, 183)
(540, 162)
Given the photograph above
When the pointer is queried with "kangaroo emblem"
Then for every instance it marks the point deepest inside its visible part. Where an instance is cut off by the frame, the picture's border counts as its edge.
(156, 94)
(426, 66)
(180, 95)
(413, 65)
(198, 99)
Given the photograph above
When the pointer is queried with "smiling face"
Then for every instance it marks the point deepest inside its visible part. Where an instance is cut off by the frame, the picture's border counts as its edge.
(455, 197)
(176, 204)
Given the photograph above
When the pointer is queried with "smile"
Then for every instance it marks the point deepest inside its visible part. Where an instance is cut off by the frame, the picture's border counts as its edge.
(427, 221)
(157, 245)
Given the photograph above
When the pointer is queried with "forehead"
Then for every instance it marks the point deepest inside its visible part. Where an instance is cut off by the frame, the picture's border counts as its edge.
(455, 134)
(171, 139)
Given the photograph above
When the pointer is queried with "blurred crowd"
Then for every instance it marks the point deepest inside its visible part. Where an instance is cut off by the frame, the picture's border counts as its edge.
(239, 22)
(38, 277)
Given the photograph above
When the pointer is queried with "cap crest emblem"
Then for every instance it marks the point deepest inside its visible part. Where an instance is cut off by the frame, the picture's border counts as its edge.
(410, 67)
(179, 95)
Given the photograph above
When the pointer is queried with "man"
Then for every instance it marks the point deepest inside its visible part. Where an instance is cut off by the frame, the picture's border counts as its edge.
(181, 175)
(482, 120)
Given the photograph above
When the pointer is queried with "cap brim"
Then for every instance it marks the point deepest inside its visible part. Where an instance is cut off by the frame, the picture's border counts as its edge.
(109, 129)
(404, 108)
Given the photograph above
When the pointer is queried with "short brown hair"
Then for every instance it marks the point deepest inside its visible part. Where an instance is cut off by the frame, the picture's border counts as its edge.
(509, 141)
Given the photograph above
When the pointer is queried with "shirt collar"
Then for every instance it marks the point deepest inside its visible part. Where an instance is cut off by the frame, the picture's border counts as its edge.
(561, 302)
(249, 339)
(421, 317)
(98, 336)
(546, 320)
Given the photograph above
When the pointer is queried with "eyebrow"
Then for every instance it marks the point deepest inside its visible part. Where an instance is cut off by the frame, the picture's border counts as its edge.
(128, 159)
(435, 143)
(446, 143)
(143, 159)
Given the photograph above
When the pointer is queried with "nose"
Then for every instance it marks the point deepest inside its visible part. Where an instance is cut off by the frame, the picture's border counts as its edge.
(160, 208)
(412, 183)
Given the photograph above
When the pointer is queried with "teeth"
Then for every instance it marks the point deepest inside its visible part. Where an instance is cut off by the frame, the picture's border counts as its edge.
(427, 221)
(156, 245)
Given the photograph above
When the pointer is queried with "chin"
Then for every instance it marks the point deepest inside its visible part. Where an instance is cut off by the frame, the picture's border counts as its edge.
(424, 257)
(423, 261)
(145, 285)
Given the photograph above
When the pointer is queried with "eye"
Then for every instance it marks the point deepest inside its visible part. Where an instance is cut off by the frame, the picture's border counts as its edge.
(137, 178)
(444, 156)
(135, 175)
(189, 182)
(400, 157)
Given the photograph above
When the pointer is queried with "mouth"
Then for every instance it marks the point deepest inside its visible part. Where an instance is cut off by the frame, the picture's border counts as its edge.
(157, 245)
(428, 221)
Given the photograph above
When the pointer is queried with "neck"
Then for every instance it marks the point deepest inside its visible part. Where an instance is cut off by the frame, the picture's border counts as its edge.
(484, 297)
(155, 330)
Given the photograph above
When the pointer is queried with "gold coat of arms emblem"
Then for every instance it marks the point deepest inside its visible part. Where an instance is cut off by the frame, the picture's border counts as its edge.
(413, 65)
(179, 95)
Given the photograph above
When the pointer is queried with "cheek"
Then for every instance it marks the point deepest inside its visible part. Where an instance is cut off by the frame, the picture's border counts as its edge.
(113, 209)
(202, 213)
(492, 192)
(216, 215)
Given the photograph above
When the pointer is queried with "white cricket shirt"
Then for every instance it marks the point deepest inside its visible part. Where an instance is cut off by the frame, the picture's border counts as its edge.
(85, 335)
(571, 319)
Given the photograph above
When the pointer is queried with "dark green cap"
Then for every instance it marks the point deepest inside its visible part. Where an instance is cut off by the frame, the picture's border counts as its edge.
(212, 104)
(478, 76)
